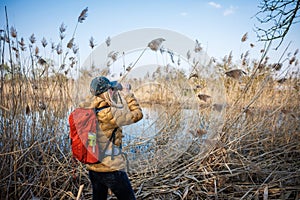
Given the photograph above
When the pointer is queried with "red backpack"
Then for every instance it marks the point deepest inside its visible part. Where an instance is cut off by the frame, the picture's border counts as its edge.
(83, 134)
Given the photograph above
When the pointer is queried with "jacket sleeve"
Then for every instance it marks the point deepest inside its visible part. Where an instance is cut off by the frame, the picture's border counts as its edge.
(112, 117)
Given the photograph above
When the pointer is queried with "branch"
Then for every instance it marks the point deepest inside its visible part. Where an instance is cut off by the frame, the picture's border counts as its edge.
(283, 20)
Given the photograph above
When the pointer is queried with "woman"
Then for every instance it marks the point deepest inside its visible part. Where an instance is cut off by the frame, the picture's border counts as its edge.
(113, 113)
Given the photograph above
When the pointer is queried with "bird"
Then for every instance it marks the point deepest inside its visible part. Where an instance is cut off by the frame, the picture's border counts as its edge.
(193, 75)
(282, 80)
(155, 44)
(235, 73)
(203, 97)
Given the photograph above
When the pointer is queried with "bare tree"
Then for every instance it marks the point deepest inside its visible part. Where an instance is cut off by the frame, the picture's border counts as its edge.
(276, 18)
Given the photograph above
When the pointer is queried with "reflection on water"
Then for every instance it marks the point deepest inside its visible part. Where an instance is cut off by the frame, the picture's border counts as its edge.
(148, 126)
(138, 137)
(162, 133)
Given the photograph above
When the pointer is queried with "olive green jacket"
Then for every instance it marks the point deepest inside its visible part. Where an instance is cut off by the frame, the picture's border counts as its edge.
(109, 119)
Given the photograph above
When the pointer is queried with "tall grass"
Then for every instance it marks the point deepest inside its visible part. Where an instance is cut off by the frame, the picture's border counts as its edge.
(256, 154)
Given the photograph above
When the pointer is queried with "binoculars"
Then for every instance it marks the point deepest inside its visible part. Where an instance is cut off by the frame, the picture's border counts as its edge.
(116, 86)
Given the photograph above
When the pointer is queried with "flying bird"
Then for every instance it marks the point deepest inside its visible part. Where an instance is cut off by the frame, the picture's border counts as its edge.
(203, 97)
(193, 75)
(155, 44)
(235, 73)
(282, 80)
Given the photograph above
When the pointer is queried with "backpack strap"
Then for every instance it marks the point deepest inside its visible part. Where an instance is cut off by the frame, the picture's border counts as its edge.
(96, 110)
(111, 139)
(102, 153)
(101, 108)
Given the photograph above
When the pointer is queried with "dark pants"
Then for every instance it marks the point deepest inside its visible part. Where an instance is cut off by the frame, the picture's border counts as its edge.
(117, 181)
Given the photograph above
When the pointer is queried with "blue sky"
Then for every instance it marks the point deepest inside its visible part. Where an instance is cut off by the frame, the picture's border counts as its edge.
(218, 25)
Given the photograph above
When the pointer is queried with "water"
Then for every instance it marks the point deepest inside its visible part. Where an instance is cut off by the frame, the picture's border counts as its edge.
(163, 133)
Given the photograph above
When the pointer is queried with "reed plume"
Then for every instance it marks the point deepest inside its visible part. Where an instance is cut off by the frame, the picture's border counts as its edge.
(83, 15)
(155, 44)
(108, 41)
(198, 47)
(62, 30)
(32, 39)
(13, 32)
(92, 42)
(44, 42)
(70, 43)
(245, 37)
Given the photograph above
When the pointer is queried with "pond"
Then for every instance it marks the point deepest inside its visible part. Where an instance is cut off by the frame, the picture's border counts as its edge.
(162, 133)
(161, 136)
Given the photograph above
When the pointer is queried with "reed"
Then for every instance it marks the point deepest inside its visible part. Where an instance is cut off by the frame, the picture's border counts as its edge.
(255, 155)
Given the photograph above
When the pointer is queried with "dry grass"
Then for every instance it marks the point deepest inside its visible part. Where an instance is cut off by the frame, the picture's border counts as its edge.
(255, 154)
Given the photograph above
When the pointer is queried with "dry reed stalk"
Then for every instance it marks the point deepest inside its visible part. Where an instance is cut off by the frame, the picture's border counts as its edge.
(79, 192)
(4, 108)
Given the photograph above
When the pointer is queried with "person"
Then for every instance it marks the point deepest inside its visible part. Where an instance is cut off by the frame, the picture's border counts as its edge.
(115, 111)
